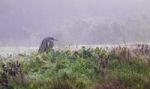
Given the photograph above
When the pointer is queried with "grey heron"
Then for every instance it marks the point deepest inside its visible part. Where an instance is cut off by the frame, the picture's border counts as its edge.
(47, 43)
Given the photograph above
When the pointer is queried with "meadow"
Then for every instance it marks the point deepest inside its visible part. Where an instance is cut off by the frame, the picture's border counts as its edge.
(85, 68)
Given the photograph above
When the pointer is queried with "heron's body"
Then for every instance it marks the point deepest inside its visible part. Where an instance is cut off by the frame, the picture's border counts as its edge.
(46, 44)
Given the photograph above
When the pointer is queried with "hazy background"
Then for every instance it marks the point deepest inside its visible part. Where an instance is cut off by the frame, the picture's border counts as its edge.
(27, 22)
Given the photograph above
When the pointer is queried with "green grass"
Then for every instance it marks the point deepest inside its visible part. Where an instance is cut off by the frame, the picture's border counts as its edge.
(83, 69)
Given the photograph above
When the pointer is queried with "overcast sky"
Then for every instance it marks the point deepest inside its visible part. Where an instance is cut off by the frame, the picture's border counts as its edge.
(47, 15)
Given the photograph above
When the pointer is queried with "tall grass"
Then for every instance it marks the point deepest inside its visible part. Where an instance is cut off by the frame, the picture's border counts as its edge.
(86, 68)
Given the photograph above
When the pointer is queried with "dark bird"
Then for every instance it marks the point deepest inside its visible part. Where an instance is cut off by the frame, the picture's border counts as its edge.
(47, 43)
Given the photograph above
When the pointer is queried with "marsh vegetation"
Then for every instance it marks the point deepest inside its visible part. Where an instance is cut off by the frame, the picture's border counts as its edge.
(86, 68)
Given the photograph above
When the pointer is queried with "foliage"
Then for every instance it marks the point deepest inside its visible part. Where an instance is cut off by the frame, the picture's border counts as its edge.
(82, 69)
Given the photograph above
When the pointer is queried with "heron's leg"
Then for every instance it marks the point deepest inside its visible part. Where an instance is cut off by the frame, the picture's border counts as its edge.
(41, 47)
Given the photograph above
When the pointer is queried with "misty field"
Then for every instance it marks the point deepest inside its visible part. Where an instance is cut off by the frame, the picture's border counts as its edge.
(117, 67)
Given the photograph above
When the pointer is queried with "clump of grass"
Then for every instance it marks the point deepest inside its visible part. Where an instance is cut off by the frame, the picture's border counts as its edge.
(124, 81)
(11, 73)
(114, 83)
(123, 54)
(60, 84)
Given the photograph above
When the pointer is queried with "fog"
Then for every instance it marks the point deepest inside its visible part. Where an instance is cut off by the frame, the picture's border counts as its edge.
(27, 22)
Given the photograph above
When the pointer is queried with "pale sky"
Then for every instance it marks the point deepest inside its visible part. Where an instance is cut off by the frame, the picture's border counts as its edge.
(38, 16)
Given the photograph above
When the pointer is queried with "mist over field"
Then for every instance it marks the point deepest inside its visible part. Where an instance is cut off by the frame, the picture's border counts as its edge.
(27, 22)
(99, 44)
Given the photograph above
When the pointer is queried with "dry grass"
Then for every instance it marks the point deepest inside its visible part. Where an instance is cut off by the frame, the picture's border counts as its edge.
(11, 73)
(61, 84)
(140, 51)
(111, 83)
